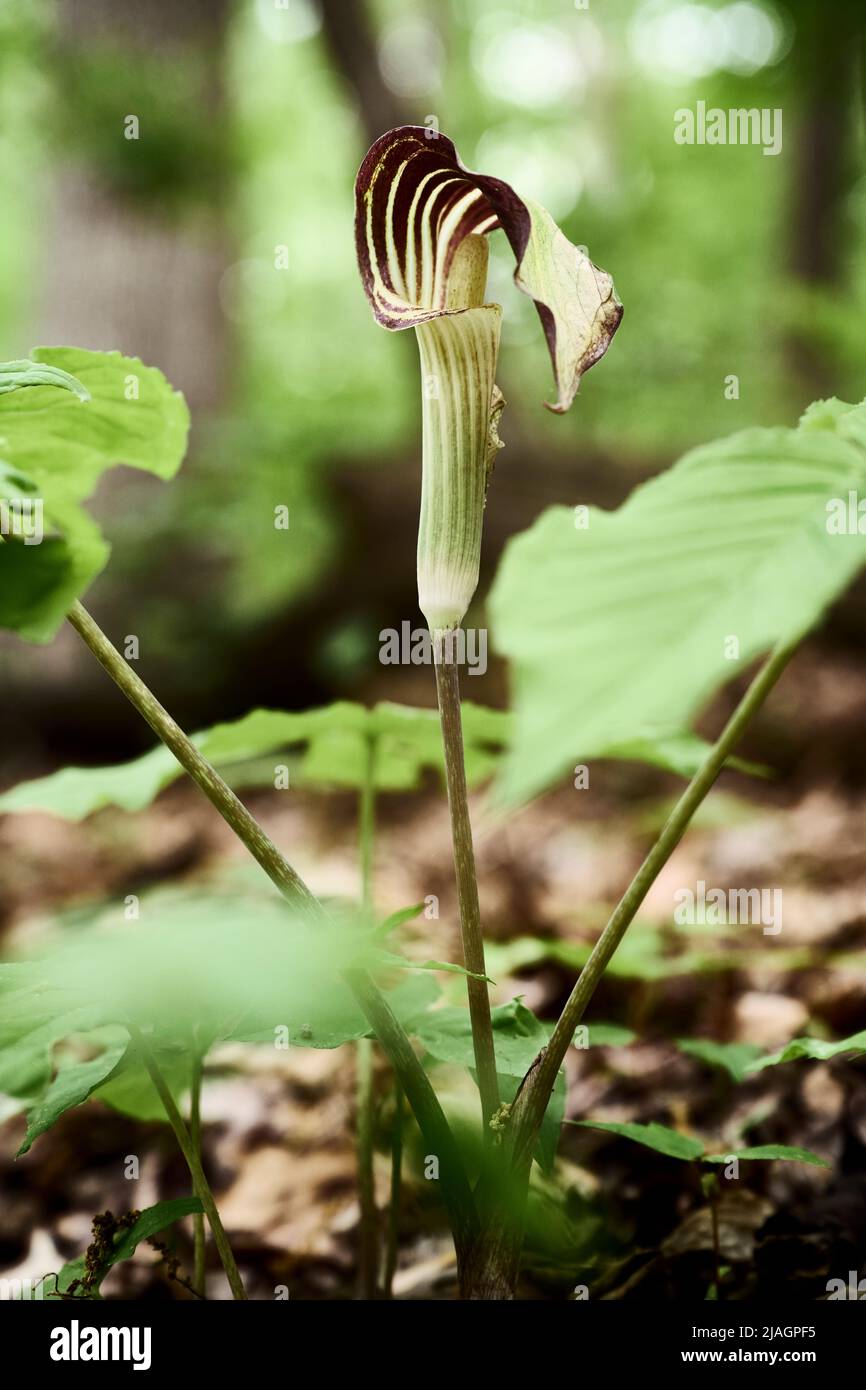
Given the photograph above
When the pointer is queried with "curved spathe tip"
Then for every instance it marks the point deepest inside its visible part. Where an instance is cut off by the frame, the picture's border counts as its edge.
(416, 202)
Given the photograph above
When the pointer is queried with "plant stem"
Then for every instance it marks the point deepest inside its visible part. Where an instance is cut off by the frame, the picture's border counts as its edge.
(537, 1085)
(391, 1035)
(198, 1278)
(200, 1184)
(396, 1183)
(200, 770)
(717, 1255)
(448, 692)
(426, 1109)
(368, 1229)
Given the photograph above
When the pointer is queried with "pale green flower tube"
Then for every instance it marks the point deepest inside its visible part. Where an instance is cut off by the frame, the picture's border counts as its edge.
(460, 407)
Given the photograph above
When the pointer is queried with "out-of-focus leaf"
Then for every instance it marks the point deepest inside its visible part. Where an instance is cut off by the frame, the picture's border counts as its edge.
(665, 1141)
(816, 1048)
(399, 918)
(14, 375)
(27, 1039)
(609, 1035)
(635, 613)
(331, 1022)
(55, 446)
(769, 1152)
(331, 746)
(213, 962)
(734, 1058)
(675, 1145)
(73, 1084)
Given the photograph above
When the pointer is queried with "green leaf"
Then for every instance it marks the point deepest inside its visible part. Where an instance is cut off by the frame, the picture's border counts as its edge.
(221, 963)
(734, 1058)
(27, 1036)
(675, 1145)
(329, 1023)
(633, 614)
(816, 1048)
(130, 1091)
(333, 747)
(14, 375)
(76, 792)
(769, 1152)
(399, 919)
(55, 445)
(609, 1035)
(665, 1141)
(517, 1037)
(149, 1223)
(404, 963)
(73, 1084)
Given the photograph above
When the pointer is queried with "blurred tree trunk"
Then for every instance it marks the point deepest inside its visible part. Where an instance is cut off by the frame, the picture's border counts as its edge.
(351, 43)
(827, 65)
(130, 263)
(134, 246)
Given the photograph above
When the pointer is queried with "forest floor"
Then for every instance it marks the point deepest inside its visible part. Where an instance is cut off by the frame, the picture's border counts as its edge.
(613, 1217)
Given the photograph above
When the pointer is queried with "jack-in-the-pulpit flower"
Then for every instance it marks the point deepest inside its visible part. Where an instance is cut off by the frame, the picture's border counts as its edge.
(421, 220)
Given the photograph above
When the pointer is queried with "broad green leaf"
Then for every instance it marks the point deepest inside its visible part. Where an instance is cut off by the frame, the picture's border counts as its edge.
(217, 963)
(816, 1048)
(624, 628)
(331, 744)
(332, 1022)
(734, 1058)
(54, 447)
(330, 749)
(665, 1141)
(768, 1152)
(74, 1083)
(27, 1037)
(76, 792)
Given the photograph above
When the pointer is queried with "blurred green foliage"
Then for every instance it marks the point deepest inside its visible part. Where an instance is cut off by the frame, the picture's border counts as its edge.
(576, 108)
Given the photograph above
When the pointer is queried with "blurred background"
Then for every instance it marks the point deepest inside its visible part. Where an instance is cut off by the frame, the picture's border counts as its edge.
(218, 246)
